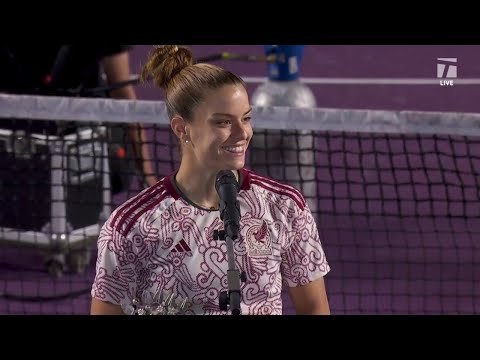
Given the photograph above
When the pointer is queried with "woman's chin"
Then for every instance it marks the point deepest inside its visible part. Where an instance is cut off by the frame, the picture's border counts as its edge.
(235, 165)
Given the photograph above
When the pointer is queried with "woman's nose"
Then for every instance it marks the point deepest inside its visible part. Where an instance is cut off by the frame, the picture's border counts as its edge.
(241, 130)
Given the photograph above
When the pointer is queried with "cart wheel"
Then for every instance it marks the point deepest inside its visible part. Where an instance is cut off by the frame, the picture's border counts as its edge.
(78, 260)
(55, 263)
(55, 268)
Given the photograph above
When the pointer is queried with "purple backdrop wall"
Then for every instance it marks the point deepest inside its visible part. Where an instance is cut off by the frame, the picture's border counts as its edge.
(358, 61)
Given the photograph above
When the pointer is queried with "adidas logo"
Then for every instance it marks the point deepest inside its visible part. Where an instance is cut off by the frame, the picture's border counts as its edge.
(182, 246)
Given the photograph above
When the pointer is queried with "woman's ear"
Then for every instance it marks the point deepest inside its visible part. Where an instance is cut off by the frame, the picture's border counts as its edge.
(179, 128)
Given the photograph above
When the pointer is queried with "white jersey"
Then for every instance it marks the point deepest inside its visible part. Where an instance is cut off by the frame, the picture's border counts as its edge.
(159, 240)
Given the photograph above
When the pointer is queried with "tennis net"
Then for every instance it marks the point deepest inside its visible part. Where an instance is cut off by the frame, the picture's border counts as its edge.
(395, 196)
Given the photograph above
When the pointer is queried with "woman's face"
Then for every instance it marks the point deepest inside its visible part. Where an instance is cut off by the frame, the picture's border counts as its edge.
(220, 131)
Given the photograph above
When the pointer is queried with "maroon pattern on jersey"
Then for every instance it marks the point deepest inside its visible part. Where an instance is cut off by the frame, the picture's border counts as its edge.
(159, 241)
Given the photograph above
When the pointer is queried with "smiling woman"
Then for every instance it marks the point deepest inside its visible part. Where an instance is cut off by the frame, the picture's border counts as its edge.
(163, 238)
(215, 138)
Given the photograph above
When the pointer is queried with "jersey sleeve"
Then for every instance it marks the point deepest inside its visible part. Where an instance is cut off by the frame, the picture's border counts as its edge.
(117, 265)
(304, 258)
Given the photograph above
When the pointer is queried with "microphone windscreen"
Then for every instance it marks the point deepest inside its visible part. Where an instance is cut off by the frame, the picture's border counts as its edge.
(226, 177)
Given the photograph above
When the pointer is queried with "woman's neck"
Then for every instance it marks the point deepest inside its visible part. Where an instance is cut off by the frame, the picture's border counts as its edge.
(199, 186)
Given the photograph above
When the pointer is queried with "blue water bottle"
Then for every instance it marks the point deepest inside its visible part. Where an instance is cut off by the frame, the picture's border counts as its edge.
(287, 61)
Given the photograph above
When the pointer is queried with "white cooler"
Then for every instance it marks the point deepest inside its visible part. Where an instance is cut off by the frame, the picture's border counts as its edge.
(54, 193)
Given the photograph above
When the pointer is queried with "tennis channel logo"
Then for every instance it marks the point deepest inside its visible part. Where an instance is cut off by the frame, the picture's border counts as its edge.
(446, 70)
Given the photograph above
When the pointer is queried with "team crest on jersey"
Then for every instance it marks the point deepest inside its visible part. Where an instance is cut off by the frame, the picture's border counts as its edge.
(259, 241)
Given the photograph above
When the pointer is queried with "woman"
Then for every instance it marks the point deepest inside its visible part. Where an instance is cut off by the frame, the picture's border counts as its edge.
(162, 239)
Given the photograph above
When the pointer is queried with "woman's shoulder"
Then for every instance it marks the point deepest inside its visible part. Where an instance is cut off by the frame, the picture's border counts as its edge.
(130, 212)
(272, 188)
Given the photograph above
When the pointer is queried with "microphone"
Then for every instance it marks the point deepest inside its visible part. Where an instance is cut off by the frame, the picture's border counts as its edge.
(71, 66)
(227, 188)
(66, 67)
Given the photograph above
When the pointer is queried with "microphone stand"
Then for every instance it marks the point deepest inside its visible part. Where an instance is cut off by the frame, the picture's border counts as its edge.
(230, 299)
(230, 214)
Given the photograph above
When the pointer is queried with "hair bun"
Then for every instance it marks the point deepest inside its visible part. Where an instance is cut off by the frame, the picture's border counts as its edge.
(164, 62)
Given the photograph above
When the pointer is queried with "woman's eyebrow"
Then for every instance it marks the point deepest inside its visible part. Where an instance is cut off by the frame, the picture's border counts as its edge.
(230, 115)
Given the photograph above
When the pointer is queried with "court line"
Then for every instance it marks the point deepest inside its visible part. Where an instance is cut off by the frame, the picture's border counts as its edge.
(370, 81)
(363, 81)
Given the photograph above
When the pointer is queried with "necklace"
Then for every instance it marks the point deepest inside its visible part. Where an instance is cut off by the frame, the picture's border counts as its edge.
(190, 201)
(205, 207)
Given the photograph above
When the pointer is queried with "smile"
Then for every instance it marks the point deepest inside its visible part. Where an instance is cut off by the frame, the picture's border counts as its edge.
(234, 149)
